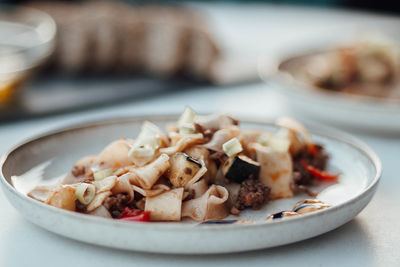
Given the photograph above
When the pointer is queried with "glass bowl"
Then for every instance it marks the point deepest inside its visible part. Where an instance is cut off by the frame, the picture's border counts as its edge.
(26, 41)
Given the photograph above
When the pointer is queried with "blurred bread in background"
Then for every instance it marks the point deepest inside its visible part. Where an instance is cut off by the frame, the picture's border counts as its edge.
(111, 36)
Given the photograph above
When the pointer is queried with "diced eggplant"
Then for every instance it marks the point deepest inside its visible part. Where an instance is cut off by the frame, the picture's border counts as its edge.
(182, 169)
(240, 168)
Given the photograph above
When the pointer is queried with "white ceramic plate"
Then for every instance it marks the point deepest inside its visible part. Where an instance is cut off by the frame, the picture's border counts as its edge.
(352, 111)
(43, 158)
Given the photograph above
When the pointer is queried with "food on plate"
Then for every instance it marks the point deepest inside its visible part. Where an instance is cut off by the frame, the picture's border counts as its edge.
(301, 207)
(309, 205)
(281, 215)
(368, 67)
(203, 168)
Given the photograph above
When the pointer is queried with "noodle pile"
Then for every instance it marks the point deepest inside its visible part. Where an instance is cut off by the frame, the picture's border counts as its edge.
(202, 168)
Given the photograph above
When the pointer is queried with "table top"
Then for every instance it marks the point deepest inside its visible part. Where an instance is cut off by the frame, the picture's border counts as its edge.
(371, 239)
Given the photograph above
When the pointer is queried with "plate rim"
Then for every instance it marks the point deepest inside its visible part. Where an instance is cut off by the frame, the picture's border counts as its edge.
(317, 129)
(268, 70)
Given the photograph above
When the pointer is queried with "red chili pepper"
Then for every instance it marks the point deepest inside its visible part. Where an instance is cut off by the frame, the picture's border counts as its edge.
(132, 215)
(323, 175)
(312, 150)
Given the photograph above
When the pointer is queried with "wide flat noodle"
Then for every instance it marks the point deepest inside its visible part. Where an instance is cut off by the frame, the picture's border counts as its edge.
(105, 185)
(141, 161)
(181, 142)
(208, 122)
(276, 171)
(247, 137)
(210, 206)
(166, 206)
(233, 190)
(171, 128)
(41, 193)
(103, 190)
(156, 190)
(214, 121)
(296, 126)
(123, 186)
(222, 136)
(115, 155)
(198, 189)
(198, 152)
(148, 175)
(98, 200)
(80, 169)
(296, 144)
(201, 153)
(198, 175)
(62, 197)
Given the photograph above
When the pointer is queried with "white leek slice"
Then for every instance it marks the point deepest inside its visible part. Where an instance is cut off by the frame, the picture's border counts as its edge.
(187, 128)
(149, 129)
(85, 193)
(145, 147)
(141, 151)
(100, 175)
(187, 116)
(153, 142)
(232, 147)
(186, 121)
(148, 141)
(296, 126)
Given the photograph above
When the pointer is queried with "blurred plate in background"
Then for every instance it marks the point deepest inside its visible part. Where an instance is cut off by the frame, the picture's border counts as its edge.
(357, 111)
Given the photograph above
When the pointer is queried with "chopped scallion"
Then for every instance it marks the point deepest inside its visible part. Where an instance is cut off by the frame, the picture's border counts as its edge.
(232, 147)
(141, 151)
(187, 116)
(187, 128)
(148, 141)
(100, 175)
(85, 193)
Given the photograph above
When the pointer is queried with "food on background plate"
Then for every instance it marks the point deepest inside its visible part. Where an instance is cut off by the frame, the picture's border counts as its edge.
(368, 67)
(203, 168)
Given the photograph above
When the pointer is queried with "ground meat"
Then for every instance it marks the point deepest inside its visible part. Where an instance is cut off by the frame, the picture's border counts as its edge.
(207, 133)
(78, 171)
(318, 160)
(115, 204)
(79, 206)
(252, 193)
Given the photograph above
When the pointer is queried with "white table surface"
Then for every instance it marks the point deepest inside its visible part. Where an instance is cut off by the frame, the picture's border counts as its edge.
(371, 239)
